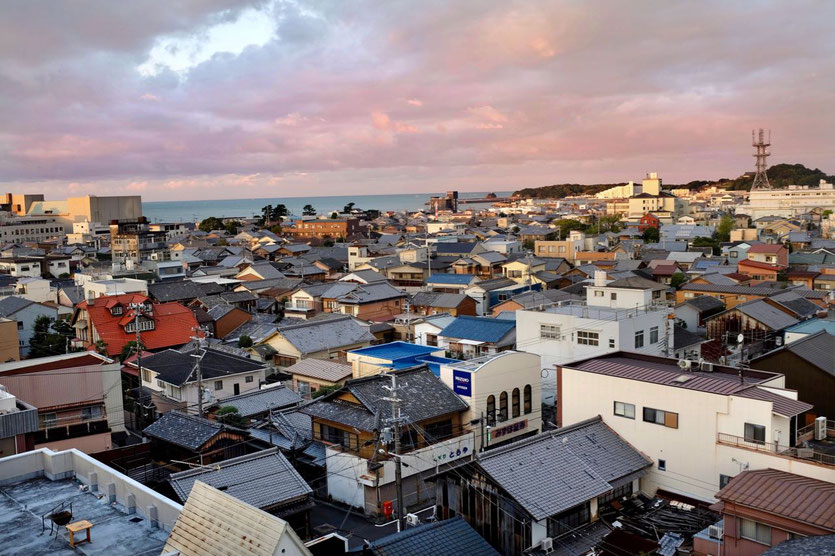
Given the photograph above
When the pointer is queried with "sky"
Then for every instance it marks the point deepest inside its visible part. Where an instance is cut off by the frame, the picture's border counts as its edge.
(213, 99)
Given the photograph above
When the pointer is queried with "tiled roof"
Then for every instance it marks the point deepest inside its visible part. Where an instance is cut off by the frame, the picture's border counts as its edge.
(370, 293)
(452, 536)
(683, 338)
(187, 431)
(767, 314)
(480, 329)
(816, 349)
(433, 299)
(261, 401)
(422, 397)
(788, 495)
(798, 305)
(326, 334)
(705, 303)
(332, 371)
(12, 304)
(173, 324)
(766, 248)
(554, 471)
(454, 248)
(638, 283)
(820, 545)
(177, 367)
(263, 479)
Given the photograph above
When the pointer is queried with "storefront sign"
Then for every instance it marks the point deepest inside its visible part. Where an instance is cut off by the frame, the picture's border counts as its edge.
(509, 429)
(462, 383)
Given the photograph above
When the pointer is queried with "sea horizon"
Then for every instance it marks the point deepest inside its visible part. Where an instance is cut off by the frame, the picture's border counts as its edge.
(197, 210)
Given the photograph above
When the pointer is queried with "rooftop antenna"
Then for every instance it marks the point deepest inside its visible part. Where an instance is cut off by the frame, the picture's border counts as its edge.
(761, 144)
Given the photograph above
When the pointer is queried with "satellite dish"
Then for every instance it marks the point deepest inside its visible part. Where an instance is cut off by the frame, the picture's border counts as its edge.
(740, 338)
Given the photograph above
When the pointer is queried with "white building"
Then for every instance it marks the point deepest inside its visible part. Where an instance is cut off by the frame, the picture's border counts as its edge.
(789, 202)
(16, 230)
(94, 289)
(504, 394)
(625, 314)
(701, 425)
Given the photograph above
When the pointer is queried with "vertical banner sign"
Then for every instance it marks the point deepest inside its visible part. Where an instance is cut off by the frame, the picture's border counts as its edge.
(462, 383)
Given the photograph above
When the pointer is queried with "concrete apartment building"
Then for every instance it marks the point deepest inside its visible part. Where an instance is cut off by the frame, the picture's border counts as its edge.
(132, 241)
(624, 314)
(30, 229)
(701, 425)
(89, 208)
(503, 392)
(324, 228)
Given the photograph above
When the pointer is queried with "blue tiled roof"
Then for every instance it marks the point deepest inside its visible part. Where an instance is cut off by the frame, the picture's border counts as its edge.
(452, 279)
(813, 325)
(480, 329)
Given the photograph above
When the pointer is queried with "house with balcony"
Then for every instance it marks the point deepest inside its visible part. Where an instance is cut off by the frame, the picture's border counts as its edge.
(702, 424)
(78, 397)
(113, 321)
(625, 314)
(360, 455)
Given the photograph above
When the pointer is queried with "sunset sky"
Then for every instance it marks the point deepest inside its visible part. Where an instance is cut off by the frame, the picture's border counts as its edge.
(210, 99)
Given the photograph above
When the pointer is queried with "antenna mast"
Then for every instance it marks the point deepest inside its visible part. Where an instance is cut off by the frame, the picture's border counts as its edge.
(761, 144)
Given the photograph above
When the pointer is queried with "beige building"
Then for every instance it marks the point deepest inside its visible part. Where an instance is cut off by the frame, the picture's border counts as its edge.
(90, 208)
(18, 203)
(503, 392)
(9, 342)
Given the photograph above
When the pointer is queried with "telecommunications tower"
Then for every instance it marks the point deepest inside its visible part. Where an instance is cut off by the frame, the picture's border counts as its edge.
(759, 142)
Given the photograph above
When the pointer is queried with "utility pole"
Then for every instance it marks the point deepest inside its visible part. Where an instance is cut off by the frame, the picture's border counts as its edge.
(396, 419)
(200, 352)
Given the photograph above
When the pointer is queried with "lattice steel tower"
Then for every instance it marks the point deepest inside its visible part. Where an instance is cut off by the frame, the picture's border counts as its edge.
(761, 145)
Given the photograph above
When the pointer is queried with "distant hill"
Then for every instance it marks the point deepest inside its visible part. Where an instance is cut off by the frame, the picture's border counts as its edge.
(779, 175)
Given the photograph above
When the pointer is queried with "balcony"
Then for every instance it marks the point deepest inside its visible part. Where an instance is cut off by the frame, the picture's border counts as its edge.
(582, 309)
(816, 451)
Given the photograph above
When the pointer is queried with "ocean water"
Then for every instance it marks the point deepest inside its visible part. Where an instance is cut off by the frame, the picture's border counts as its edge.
(195, 211)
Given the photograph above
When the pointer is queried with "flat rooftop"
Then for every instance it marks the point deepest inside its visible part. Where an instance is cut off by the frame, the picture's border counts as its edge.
(393, 351)
(114, 532)
(582, 310)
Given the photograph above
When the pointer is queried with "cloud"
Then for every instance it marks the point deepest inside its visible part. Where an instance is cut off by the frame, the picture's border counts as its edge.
(338, 96)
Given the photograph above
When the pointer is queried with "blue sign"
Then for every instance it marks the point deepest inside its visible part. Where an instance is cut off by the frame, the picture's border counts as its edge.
(462, 383)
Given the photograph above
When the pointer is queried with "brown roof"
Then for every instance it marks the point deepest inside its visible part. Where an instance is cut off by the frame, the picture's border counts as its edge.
(785, 494)
(782, 405)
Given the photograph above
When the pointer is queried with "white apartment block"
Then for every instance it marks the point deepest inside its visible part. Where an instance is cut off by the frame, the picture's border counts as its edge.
(36, 229)
(789, 202)
(620, 315)
(700, 424)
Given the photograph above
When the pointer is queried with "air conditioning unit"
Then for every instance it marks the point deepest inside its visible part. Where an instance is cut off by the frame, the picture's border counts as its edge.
(684, 364)
(805, 453)
(706, 366)
(412, 519)
(820, 428)
(547, 545)
(714, 532)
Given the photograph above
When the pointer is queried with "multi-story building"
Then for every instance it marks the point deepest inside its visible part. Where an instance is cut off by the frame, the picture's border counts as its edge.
(30, 228)
(789, 202)
(701, 424)
(132, 241)
(89, 208)
(324, 228)
(503, 392)
(625, 314)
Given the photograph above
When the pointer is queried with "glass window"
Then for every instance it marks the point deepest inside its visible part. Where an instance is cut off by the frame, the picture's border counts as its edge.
(653, 335)
(249, 379)
(515, 403)
(218, 385)
(491, 409)
(50, 419)
(88, 413)
(754, 531)
(614, 296)
(660, 417)
(724, 480)
(528, 405)
(611, 342)
(503, 406)
(549, 332)
(586, 338)
(625, 410)
(598, 293)
(662, 465)
(754, 433)
(639, 339)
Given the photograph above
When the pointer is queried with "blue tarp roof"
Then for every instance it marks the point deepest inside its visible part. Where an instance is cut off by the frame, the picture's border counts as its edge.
(480, 329)
(456, 279)
(393, 351)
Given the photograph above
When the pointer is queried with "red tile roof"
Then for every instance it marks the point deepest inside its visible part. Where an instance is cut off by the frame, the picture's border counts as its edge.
(757, 264)
(785, 494)
(174, 324)
(765, 248)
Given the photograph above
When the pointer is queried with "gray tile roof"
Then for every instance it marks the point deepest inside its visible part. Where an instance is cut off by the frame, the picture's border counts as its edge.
(554, 471)
(452, 536)
(766, 314)
(12, 304)
(187, 431)
(816, 349)
(326, 334)
(369, 293)
(423, 397)
(264, 479)
(705, 303)
(797, 304)
(683, 338)
(332, 371)
(260, 401)
(434, 299)
(177, 367)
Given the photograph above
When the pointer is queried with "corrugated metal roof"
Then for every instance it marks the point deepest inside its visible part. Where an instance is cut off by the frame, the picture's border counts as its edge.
(452, 279)
(766, 314)
(781, 405)
(482, 329)
(785, 494)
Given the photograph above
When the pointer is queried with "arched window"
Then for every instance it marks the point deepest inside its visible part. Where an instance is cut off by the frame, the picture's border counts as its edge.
(503, 406)
(491, 410)
(528, 407)
(514, 400)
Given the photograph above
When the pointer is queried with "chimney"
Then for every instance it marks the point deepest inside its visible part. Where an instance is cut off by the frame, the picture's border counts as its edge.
(599, 277)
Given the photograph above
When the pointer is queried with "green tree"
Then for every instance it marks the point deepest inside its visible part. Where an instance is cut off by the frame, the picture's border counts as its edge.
(244, 341)
(278, 212)
(678, 279)
(50, 337)
(229, 415)
(348, 208)
(275, 228)
(325, 390)
(129, 349)
(210, 223)
(651, 235)
(707, 242)
(308, 210)
(723, 230)
(566, 225)
(232, 227)
(334, 215)
(267, 213)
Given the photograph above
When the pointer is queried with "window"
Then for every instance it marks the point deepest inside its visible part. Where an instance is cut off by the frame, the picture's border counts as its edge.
(249, 379)
(218, 385)
(653, 335)
(514, 402)
(528, 405)
(569, 520)
(303, 389)
(611, 342)
(660, 417)
(438, 431)
(146, 375)
(19, 325)
(338, 436)
(614, 296)
(503, 407)
(491, 410)
(504, 296)
(283, 360)
(639, 339)
(586, 338)
(160, 383)
(549, 332)
(598, 293)
(625, 410)
(754, 531)
(50, 420)
(754, 433)
(662, 465)
(724, 480)
(734, 254)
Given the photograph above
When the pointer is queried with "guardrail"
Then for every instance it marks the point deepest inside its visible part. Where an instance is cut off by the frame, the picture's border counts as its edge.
(799, 453)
